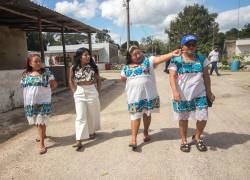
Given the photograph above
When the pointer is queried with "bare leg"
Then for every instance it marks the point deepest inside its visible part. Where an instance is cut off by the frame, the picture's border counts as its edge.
(146, 123)
(200, 125)
(135, 125)
(41, 133)
(183, 126)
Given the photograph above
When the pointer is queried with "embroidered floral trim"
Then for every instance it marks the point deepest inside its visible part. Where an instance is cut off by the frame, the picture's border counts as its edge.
(38, 109)
(144, 104)
(186, 106)
(143, 69)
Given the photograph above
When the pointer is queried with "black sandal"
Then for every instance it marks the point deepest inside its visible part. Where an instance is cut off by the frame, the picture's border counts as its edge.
(200, 144)
(78, 146)
(185, 147)
(146, 139)
(133, 146)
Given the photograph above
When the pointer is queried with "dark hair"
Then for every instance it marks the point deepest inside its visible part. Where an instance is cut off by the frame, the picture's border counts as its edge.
(77, 60)
(29, 67)
(129, 52)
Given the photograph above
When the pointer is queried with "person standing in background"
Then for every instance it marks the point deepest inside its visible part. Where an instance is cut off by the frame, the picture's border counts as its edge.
(214, 59)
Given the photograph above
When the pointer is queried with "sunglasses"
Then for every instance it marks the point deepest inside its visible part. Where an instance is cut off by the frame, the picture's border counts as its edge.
(190, 44)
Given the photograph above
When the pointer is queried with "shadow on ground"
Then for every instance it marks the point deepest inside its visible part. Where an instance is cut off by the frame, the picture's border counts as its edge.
(220, 140)
(14, 122)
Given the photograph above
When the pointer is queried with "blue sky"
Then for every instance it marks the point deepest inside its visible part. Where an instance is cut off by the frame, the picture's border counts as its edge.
(148, 17)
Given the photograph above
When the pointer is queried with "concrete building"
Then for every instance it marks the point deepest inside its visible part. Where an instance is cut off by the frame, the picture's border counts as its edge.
(229, 49)
(237, 47)
(103, 53)
(243, 48)
(17, 18)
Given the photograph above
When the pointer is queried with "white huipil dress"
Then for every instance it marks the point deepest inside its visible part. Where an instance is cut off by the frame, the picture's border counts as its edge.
(190, 85)
(37, 97)
(142, 94)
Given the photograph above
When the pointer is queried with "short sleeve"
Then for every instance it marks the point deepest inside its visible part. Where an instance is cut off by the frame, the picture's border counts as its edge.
(50, 75)
(22, 81)
(211, 53)
(206, 62)
(172, 66)
(123, 74)
(151, 62)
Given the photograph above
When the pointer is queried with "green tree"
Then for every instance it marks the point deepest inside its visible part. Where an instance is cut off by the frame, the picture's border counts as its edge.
(33, 42)
(219, 40)
(124, 45)
(232, 34)
(153, 46)
(103, 36)
(245, 32)
(196, 20)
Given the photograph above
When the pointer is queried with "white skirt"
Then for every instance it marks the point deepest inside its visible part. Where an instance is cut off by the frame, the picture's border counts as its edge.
(199, 115)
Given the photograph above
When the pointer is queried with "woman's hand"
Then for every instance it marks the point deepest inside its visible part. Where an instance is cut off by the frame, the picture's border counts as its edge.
(53, 84)
(211, 96)
(177, 96)
(176, 52)
(163, 58)
(124, 79)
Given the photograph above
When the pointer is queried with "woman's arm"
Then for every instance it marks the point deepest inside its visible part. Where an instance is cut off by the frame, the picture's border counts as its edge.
(53, 84)
(207, 82)
(124, 79)
(72, 84)
(172, 80)
(98, 82)
(166, 57)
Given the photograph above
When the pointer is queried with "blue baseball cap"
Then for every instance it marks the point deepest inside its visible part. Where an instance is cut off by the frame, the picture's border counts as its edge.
(188, 38)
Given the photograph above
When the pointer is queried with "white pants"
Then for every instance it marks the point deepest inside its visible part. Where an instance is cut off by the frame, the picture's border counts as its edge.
(87, 106)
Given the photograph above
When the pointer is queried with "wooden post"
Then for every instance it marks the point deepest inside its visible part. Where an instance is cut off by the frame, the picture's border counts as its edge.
(64, 58)
(90, 43)
(41, 39)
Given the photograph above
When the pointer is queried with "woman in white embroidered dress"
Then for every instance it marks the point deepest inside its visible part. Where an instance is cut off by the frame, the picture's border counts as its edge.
(141, 89)
(191, 87)
(37, 83)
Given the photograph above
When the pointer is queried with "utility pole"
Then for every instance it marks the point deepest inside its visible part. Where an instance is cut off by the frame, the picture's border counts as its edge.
(238, 23)
(213, 34)
(128, 24)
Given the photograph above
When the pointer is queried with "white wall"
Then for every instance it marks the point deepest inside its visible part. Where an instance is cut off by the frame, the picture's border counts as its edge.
(104, 55)
(10, 92)
(243, 47)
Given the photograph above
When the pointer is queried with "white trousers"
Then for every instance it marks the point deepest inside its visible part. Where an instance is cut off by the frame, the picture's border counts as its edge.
(87, 106)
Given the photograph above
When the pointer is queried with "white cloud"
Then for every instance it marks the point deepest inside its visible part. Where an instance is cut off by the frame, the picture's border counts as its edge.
(116, 37)
(229, 19)
(143, 12)
(80, 10)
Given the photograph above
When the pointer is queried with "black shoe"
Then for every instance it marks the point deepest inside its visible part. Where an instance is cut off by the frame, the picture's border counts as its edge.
(133, 146)
(185, 147)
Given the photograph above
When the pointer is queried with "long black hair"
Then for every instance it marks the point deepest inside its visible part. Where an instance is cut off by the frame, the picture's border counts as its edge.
(129, 52)
(77, 60)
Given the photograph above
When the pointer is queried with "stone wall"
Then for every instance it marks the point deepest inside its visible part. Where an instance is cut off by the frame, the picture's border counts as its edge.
(13, 49)
(10, 90)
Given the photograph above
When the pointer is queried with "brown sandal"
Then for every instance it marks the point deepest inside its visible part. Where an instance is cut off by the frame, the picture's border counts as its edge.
(78, 146)
(43, 151)
(146, 139)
